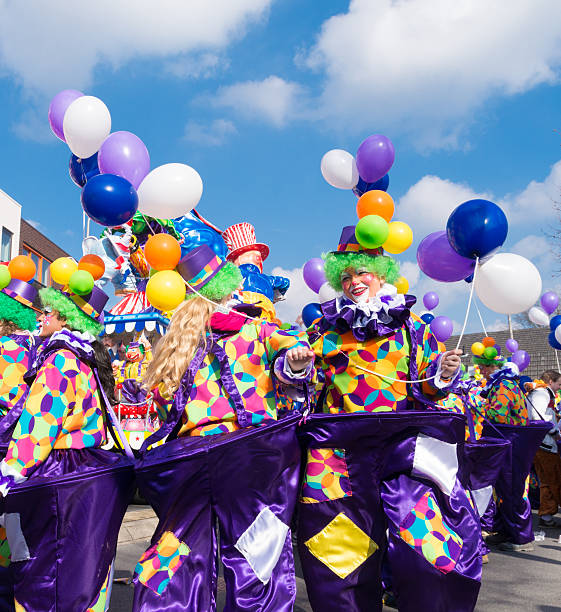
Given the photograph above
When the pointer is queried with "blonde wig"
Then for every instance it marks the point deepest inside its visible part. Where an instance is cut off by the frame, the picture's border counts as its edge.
(172, 356)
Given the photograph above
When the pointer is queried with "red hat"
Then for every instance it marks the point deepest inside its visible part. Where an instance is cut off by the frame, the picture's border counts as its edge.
(240, 238)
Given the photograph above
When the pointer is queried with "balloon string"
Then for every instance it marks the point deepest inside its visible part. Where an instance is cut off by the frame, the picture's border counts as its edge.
(469, 304)
(480, 317)
(557, 359)
(148, 224)
(84, 223)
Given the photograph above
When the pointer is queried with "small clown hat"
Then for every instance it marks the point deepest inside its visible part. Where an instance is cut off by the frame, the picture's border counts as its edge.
(349, 244)
(240, 238)
(17, 304)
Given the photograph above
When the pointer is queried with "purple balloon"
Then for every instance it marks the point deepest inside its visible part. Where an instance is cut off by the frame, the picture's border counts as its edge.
(442, 328)
(511, 345)
(58, 106)
(497, 348)
(125, 155)
(314, 274)
(374, 157)
(437, 259)
(549, 302)
(430, 300)
(521, 359)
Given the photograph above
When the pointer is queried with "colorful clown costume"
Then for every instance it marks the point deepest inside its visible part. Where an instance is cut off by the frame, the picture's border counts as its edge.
(16, 351)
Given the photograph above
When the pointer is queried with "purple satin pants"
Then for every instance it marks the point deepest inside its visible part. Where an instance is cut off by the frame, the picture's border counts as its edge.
(240, 486)
(399, 473)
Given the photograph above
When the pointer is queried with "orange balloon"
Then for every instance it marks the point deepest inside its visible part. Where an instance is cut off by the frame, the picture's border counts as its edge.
(488, 341)
(92, 264)
(375, 202)
(162, 252)
(22, 268)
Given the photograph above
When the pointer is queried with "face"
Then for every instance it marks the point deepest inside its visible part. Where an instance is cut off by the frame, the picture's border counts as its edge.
(487, 370)
(359, 285)
(555, 385)
(251, 257)
(50, 322)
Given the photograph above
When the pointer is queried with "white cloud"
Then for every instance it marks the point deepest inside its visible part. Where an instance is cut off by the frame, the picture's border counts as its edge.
(33, 126)
(410, 270)
(211, 135)
(535, 248)
(34, 224)
(272, 99)
(297, 296)
(196, 66)
(426, 67)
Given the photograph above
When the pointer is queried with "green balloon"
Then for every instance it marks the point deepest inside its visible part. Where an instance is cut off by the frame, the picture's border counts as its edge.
(5, 277)
(81, 282)
(372, 231)
(490, 352)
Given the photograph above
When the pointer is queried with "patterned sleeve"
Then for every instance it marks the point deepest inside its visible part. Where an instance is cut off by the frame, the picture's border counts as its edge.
(276, 342)
(52, 395)
(505, 404)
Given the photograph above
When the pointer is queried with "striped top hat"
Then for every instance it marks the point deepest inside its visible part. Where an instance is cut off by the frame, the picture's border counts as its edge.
(199, 266)
(240, 238)
(349, 244)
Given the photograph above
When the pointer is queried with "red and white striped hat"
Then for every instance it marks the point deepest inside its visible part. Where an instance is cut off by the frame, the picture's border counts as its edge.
(240, 238)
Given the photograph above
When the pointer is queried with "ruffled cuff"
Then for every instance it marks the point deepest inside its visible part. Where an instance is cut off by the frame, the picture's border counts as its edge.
(286, 375)
(435, 369)
(9, 477)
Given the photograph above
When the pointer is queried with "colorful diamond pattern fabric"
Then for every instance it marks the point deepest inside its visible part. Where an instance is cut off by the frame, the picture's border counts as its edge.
(506, 404)
(100, 602)
(426, 532)
(4, 549)
(159, 563)
(14, 363)
(327, 476)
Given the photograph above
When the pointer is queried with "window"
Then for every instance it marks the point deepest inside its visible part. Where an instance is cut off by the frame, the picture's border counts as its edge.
(6, 248)
(43, 276)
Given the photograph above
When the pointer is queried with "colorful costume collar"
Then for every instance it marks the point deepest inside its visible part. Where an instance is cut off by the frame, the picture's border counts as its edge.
(379, 316)
(508, 372)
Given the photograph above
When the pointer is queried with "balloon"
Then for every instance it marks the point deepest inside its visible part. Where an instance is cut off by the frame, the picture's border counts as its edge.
(508, 283)
(437, 259)
(442, 328)
(375, 203)
(109, 200)
(488, 341)
(538, 316)
(469, 279)
(86, 125)
(165, 290)
(428, 318)
(22, 268)
(511, 345)
(402, 285)
(327, 293)
(497, 348)
(310, 313)
(5, 276)
(124, 154)
(553, 341)
(557, 334)
(430, 300)
(170, 191)
(162, 252)
(62, 269)
(362, 186)
(81, 282)
(476, 227)
(490, 352)
(555, 322)
(399, 239)
(374, 157)
(92, 264)
(58, 107)
(549, 302)
(372, 231)
(338, 168)
(522, 381)
(82, 170)
(478, 348)
(521, 359)
(314, 274)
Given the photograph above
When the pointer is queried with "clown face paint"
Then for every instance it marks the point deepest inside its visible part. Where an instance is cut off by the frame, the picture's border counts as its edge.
(50, 323)
(359, 285)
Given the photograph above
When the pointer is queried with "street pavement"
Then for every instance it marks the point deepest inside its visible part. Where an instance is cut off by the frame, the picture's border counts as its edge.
(512, 582)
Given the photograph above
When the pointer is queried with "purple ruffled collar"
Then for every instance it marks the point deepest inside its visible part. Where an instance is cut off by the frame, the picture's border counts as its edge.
(508, 372)
(379, 316)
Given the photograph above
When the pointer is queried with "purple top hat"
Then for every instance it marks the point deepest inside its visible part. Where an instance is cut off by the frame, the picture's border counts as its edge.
(91, 304)
(199, 266)
(349, 244)
(22, 292)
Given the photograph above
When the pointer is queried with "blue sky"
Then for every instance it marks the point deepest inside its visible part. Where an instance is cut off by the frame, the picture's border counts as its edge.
(252, 93)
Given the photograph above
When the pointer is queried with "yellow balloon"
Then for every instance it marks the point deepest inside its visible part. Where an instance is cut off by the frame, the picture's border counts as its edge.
(165, 290)
(62, 269)
(399, 238)
(402, 285)
(477, 348)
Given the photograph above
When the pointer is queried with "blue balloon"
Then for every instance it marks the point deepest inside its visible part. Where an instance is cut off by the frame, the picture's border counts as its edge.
(553, 341)
(428, 318)
(476, 227)
(311, 312)
(469, 279)
(196, 232)
(82, 170)
(109, 200)
(555, 322)
(362, 186)
(522, 381)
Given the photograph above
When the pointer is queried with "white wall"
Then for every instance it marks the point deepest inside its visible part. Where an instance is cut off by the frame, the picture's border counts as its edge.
(10, 218)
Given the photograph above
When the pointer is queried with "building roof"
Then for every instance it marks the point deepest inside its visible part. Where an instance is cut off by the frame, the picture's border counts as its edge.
(37, 241)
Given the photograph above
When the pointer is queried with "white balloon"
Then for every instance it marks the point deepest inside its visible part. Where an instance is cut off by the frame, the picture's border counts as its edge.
(538, 316)
(339, 169)
(86, 124)
(508, 283)
(326, 293)
(170, 191)
(558, 333)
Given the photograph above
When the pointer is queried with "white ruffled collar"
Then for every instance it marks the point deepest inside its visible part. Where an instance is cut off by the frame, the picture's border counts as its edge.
(376, 307)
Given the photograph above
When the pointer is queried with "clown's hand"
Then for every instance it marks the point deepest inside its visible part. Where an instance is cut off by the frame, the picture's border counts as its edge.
(299, 358)
(450, 363)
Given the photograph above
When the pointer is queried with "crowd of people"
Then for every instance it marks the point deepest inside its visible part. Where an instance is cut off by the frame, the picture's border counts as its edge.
(361, 433)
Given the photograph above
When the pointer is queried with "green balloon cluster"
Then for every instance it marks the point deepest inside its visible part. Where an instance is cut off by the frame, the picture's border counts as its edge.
(81, 282)
(5, 277)
(372, 231)
(490, 352)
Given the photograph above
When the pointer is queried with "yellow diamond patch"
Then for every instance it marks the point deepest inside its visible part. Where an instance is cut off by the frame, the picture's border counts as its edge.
(342, 546)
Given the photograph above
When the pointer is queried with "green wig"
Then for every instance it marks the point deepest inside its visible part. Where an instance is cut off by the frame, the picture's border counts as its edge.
(499, 362)
(382, 266)
(75, 318)
(222, 284)
(22, 316)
